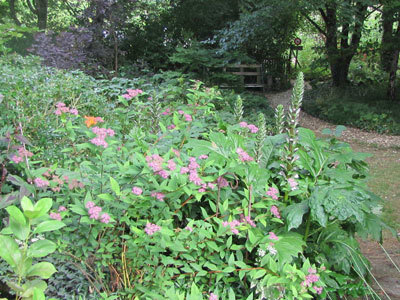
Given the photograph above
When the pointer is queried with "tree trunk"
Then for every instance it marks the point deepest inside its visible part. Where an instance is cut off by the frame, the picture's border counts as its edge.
(340, 70)
(391, 91)
(13, 13)
(42, 7)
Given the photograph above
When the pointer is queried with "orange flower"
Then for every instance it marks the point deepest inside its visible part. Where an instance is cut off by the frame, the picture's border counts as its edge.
(90, 121)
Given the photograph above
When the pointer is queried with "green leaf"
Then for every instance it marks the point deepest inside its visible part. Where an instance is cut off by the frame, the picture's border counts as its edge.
(21, 231)
(43, 206)
(115, 186)
(295, 214)
(232, 295)
(41, 248)
(42, 269)
(38, 294)
(288, 246)
(16, 213)
(31, 286)
(26, 203)
(195, 293)
(48, 226)
(9, 250)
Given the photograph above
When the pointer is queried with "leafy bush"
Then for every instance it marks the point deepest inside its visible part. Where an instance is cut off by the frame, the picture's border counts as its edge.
(364, 107)
(167, 200)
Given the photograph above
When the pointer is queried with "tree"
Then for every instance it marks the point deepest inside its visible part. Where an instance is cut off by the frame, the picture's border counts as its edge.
(38, 7)
(341, 24)
(390, 47)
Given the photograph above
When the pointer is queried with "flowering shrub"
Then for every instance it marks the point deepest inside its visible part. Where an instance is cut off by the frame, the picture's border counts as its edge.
(207, 209)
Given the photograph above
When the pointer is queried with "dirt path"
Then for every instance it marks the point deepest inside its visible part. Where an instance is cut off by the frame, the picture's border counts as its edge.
(385, 182)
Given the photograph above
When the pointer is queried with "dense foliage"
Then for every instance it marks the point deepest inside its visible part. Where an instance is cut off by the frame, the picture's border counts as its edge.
(165, 197)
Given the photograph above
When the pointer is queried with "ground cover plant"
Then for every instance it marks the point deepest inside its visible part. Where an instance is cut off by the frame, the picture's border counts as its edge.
(162, 198)
(364, 107)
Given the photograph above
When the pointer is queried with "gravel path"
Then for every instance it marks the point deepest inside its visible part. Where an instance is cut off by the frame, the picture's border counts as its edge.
(349, 135)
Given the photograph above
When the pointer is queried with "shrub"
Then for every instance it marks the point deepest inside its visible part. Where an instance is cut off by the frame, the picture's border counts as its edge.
(165, 200)
(363, 107)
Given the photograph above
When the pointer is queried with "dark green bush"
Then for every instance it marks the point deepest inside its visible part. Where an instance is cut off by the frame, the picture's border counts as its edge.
(364, 107)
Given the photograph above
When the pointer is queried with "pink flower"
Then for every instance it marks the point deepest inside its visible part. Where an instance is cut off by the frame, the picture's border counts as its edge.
(110, 132)
(137, 190)
(250, 221)
(222, 182)
(275, 211)
(105, 218)
(189, 228)
(181, 112)
(252, 128)
(170, 127)
(176, 152)
(211, 185)
(201, 190)
(273, 236)
(99, 142)
(23, 152)
(188, 118)
(94, 212)
(171, 165)
(40, 183)
(164, 174)
(203, 156)
(233, 224)
(151, 228)
(62, 208)
(89, 204)
(160, 196)
(243, 124)
(166, 112)
(213, 297)
(273, 193)
(318, 290)
(16, 159)
(55, 216)
(73, 111)
(184, 170)
(243, 156)
(194, 177)
(99, 119)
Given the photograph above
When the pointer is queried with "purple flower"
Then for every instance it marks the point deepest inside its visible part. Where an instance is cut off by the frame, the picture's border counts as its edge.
(151, 228)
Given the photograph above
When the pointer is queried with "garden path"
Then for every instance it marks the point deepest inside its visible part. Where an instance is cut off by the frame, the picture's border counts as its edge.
(385, 182)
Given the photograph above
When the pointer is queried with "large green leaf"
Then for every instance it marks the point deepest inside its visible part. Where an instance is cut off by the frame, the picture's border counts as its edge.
(294, 214)
(41, 248)
(42, 269)
(288, 246)
(48, 226)
(9, 250)
(17, 214)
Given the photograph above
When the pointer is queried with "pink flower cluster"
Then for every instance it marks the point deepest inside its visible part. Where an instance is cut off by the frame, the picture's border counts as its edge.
(166, 112)
(273, 193)
(247, 220)
(222, 182)
(137, 190)
(187, 117)
(41, 183)
(233, 224)
(272, 236)
(94, 212)
(22, 152)
(101, 134)
(275, 211)
(155, 162)
(151, 228)
(213, 297)
(132, 93)
(243, 156)
(159, 196)
(55, 216)
(311, 278)
(62, 108)
(253, 128)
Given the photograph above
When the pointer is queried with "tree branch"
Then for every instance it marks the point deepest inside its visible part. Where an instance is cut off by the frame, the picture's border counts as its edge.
(320, 30)
(13, 13)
